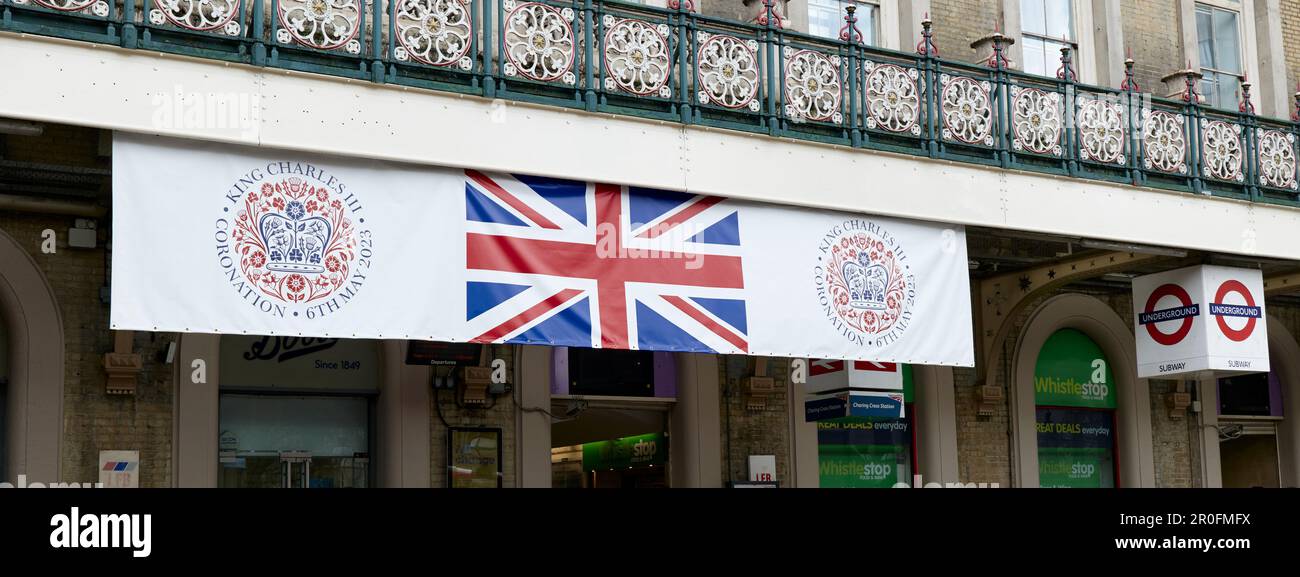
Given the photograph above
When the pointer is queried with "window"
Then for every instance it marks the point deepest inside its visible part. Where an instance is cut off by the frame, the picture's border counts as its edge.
(295, 412)
(869, 453)
(853, 452)
(1219, 42)
(611, 372)
(1253, 395)
(1046, 27)
(1074, 395)
(826, 19)
(270, 441)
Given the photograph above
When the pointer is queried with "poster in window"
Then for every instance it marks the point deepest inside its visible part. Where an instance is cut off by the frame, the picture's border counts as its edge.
(474, 458)
(864, 453)
(1076, 447)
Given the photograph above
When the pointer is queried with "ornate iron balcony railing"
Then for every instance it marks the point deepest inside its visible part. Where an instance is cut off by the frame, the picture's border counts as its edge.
(675, 65)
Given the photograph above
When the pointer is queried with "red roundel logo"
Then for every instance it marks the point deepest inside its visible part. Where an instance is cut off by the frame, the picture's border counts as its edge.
(1222, 310)
(1184, 314)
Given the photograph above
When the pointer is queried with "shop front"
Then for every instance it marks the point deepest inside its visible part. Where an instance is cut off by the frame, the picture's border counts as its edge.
(1074, 400)
(1081, 416)
(635, 294)
(635, 462)
(862, 452)
(612, 413)
(297, 412)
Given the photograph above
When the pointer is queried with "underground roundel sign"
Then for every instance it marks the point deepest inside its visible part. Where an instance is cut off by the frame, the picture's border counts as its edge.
(1159, 320)
(1246, 311)
(1198, 319)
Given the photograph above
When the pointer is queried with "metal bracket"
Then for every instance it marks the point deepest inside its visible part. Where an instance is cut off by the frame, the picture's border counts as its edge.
(122, 365)
(1003, 296)
(1282, 284)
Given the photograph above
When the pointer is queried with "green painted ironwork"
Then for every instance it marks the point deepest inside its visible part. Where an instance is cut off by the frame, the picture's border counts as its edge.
(691, 48)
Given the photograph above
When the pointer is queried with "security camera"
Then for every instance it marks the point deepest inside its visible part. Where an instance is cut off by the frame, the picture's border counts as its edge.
(574, 407)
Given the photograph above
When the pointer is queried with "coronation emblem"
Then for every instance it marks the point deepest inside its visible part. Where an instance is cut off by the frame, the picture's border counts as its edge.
(290, 240)
(864, 283)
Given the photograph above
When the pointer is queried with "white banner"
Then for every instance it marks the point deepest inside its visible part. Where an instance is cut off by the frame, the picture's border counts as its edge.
(1200, 318)
(221, 239)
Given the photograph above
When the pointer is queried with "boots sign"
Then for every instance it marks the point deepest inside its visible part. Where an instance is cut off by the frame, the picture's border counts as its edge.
(1200, 318)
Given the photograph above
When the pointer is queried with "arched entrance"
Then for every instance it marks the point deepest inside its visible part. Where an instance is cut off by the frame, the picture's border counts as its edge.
(34, 393)
(4, 393)
(1095, 319)
(1284, 358)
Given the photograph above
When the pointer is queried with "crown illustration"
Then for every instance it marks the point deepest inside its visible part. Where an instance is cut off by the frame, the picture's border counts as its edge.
(294, 242)
(867, 283)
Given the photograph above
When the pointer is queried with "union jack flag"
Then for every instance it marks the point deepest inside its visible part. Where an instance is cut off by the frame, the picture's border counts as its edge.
(594, 265)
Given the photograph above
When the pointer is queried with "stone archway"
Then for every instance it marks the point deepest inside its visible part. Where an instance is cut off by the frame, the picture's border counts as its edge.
(1284, 359)
(34, 404)
(1133, 399)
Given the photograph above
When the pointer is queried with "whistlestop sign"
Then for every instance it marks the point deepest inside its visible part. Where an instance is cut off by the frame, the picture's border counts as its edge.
(1200, 318)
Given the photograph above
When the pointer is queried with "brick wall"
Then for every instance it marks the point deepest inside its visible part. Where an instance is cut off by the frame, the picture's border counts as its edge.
(747, 431)
(1291, 40)
(501, 415)
(729, 9)
(1171, 439)
(983, 442)
(93, 421)
(958, 23)
(1153, 33)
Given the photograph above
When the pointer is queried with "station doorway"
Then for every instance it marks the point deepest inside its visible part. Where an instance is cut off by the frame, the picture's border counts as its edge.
(610, 417)
(1249, 412)
(4, 408)
(1250, 460)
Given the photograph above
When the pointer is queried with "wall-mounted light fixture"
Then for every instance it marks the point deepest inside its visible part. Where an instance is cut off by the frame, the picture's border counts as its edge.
(758, 387)
(1135, 248)
(20, 127)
